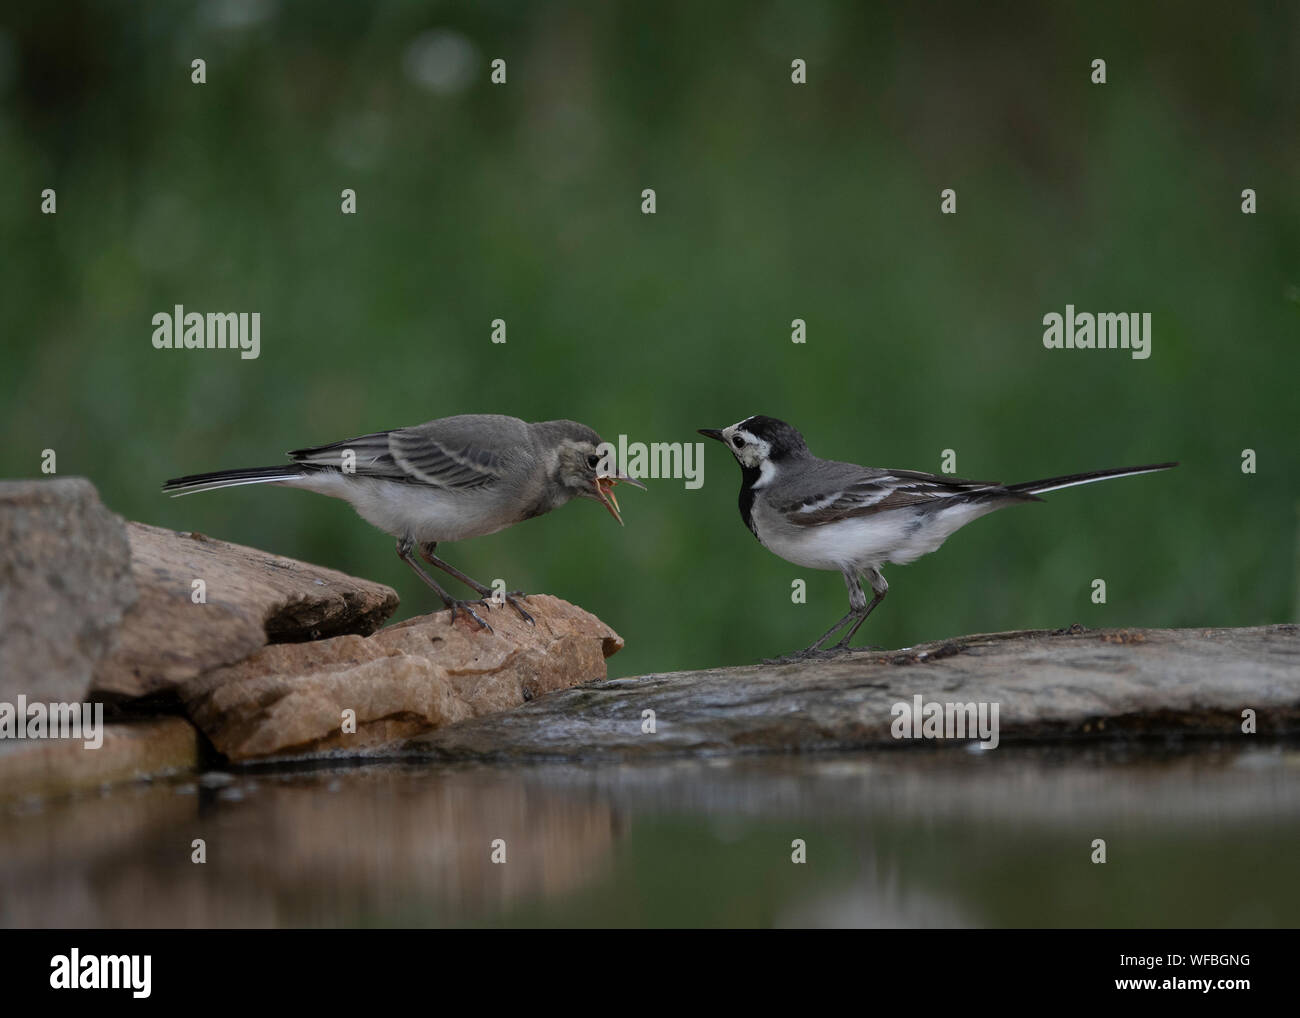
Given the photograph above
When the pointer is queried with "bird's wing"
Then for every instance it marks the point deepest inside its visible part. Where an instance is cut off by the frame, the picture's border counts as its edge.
(445, 461)
(863, 492)
(369, 456)
(444, 457)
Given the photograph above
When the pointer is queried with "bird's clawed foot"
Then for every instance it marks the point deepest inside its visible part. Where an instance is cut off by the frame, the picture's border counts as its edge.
(468, 609)
(843, 647)
(857, 615)
(807, 654)
(813, 653)
(513, 598)
(816, 654)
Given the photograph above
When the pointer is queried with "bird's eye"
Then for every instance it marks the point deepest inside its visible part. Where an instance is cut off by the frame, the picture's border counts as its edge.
(737, 441)
(593, 461)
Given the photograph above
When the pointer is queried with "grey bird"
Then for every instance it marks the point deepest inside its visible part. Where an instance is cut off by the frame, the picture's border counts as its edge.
(824, 514)
(446, 480)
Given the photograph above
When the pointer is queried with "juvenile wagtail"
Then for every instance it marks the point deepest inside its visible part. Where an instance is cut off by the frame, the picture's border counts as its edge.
(446, 480)
(823, 514)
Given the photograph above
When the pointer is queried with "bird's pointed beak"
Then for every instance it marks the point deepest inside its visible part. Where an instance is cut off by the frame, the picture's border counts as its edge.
(712, 433)
(605, 492)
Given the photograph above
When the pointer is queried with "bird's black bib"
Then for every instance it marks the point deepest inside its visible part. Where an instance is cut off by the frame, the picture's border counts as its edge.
(748, 478)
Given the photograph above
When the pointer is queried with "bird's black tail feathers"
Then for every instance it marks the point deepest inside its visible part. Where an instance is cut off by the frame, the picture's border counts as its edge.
(232, 478)
(1070, 480)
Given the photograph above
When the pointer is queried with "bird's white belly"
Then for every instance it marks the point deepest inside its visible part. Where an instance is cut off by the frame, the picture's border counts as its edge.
(899, 536)
(427, 514)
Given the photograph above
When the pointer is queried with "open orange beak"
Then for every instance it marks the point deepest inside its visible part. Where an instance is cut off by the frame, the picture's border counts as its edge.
(605, 492)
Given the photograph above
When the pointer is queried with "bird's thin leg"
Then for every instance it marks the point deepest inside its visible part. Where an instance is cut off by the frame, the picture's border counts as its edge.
(880, 588)
(427, 553)
(813, 649)
(512, 598)
(858, 611)
(831, 632)
(844, 643)
(404, 545)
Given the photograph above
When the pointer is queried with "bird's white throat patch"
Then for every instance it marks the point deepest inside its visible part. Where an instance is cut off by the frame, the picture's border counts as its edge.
(766, 474)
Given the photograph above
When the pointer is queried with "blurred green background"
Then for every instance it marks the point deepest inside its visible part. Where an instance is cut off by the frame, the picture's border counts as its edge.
(775, 202)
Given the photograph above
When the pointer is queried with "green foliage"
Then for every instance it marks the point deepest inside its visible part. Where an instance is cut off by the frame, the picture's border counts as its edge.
(775, 201)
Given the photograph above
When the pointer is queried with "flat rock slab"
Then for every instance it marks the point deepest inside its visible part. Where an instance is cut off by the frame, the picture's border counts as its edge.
(1097, 683)
(131, 750)
(252, 598)
(65, 584)
(288, 700)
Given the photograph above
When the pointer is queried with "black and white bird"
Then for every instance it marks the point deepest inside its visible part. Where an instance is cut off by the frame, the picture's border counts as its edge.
(447, 480)
(823, 514)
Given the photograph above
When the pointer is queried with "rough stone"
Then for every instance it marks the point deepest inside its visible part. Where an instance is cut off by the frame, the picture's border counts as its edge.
(1076, 683)
(65, 582)
(422, 674)
(131, 750)
(253, 597)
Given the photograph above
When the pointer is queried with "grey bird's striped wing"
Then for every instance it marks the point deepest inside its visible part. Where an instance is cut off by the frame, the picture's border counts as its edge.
(848, 491)
(449, 453)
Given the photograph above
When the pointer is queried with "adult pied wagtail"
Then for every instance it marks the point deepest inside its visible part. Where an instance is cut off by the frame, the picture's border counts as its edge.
(446, 480)
(823, 514)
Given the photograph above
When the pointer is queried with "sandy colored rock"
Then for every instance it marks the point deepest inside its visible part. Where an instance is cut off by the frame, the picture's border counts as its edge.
(1076, 683)
(131, 750)
(65, 583)
(253, 597)
(419, 675)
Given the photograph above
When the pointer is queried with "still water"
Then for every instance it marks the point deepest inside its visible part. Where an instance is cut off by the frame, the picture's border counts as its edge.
(1198, 834)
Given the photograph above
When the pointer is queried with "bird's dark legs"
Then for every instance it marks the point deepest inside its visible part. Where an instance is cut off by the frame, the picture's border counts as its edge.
(878, 587)
(512, 598)
(859, 609)
(831, 632)
(404, 546)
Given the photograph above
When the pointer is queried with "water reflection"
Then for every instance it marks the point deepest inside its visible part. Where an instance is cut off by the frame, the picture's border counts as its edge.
(894, 838)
